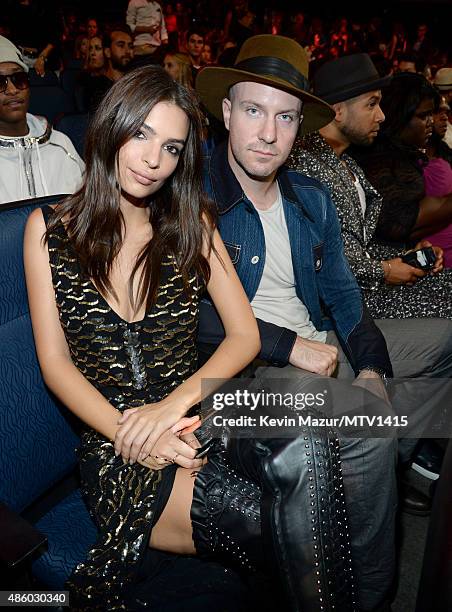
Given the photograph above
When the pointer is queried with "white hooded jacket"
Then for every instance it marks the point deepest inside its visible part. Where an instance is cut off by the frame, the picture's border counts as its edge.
(44, 162)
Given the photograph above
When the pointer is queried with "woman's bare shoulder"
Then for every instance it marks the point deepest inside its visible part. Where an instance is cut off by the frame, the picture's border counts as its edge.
(35, 221)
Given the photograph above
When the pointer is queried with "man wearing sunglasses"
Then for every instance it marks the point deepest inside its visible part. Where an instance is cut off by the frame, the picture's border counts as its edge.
(35, 160)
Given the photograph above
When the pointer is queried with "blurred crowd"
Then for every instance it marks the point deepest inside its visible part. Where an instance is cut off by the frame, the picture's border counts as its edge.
(53, 34)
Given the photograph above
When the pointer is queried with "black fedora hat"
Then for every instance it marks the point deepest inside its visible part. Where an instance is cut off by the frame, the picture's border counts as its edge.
(271, 60)
(347, 77)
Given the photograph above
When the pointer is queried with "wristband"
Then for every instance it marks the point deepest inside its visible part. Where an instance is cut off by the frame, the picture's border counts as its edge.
(381, 373)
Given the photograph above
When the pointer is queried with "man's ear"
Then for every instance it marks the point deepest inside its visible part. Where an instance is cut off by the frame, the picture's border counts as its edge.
(107, 52)
(339, 109)
(227, 106)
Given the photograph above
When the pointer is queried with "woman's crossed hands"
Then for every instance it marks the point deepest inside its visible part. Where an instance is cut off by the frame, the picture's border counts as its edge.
(152, 434)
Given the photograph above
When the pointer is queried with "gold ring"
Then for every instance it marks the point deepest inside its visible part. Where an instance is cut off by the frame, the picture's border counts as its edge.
(174, 458)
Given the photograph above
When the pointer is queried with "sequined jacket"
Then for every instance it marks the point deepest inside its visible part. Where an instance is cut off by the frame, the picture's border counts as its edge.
(314, 157)
(431, 295)
(323, 279)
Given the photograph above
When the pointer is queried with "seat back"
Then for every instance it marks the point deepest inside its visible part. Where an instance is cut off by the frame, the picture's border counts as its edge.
(49, 78)
(74, 126)
(37, 441)
(50, 101)
(68, 81)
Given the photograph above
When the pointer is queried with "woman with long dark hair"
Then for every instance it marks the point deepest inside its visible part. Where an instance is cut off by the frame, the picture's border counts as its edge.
(114, 276)
(115, 314)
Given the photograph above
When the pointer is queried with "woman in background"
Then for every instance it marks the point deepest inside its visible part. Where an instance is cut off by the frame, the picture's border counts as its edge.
(96, 60)
(438, 172)
(393, 164)
(179, 67)
(86, 90)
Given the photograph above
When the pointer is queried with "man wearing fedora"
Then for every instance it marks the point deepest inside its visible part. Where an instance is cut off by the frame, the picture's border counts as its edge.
(418, 349)
(443, 83)
(282, 233)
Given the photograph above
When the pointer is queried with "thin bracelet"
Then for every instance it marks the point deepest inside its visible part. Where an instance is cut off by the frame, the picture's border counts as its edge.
(389, 268)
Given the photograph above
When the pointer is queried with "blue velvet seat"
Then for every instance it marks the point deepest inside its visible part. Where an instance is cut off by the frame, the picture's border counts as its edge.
(50, 101)
(68, 81)
(74, 125)
(37, 439)
(49, 78)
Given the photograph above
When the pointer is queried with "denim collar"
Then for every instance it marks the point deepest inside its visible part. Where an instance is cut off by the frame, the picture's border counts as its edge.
(227, 191)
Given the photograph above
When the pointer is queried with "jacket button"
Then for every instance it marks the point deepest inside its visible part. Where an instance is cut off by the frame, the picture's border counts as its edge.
(254, 259)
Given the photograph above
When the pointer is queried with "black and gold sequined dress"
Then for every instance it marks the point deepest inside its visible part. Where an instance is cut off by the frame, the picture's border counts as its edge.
(131, 364)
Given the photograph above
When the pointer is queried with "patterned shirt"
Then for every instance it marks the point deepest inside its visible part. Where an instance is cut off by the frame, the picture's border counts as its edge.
(431, 296)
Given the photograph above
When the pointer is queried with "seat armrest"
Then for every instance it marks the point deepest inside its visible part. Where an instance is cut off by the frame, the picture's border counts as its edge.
(18, 538)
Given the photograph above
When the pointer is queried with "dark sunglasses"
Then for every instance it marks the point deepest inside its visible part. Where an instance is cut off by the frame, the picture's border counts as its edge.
(18, 79)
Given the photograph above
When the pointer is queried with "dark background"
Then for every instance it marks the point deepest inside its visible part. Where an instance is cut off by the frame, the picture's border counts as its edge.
(210, 13)
(436, 13)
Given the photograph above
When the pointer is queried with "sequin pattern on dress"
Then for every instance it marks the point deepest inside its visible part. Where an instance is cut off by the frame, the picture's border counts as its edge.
(131, 364)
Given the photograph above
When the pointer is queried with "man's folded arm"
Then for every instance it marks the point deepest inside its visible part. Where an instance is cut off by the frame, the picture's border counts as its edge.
(276, 342)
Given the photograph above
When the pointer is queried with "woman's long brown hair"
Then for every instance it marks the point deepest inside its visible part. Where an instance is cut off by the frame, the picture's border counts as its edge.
(181, 216)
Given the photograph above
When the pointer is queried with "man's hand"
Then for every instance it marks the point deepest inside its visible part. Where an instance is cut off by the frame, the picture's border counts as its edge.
(313, 356)
(439, 263)
(372, 382)
(40, 66)
(398, 272)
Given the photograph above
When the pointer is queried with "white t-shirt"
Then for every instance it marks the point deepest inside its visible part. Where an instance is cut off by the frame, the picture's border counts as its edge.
(276, 300)
(362, 199)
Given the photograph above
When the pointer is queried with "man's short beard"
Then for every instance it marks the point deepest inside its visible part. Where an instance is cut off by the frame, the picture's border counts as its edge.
(120, 66)
(261, 177)
(356, 138)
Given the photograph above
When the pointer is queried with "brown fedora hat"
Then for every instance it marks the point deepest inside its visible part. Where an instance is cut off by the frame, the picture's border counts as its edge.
(443, 79)
(347, 77)
(271, 60)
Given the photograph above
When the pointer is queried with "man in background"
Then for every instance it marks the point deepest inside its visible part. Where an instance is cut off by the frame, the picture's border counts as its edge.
(146, 20)
(118, 53)
(35, 159)
(195, 44)
(419, 348)
(443, 83)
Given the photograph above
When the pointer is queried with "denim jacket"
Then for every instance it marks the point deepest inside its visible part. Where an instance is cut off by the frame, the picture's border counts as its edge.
(323, 280)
